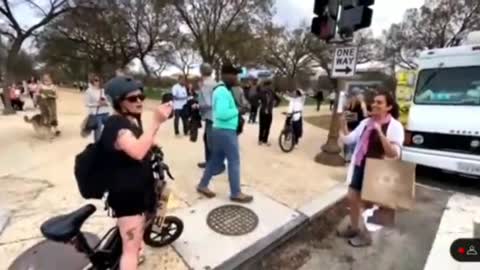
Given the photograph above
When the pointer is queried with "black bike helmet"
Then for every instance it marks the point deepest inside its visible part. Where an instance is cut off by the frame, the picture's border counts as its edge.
(117, 88)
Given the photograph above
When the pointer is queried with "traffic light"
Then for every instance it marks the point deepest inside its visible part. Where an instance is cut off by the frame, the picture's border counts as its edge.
(320, 7)
(356, 15)
(324, 25)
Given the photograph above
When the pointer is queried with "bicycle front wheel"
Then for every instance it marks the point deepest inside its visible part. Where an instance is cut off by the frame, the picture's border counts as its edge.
(286, 141)
(156, 236)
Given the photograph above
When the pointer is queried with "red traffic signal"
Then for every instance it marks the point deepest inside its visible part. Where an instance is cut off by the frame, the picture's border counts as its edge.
(323, 27)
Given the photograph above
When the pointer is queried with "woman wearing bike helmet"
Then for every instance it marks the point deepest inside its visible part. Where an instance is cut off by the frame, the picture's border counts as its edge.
(126, 146)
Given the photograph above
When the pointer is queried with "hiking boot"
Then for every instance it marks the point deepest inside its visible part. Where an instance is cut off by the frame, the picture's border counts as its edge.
(206, 192)
(242, 198)
(348, 232)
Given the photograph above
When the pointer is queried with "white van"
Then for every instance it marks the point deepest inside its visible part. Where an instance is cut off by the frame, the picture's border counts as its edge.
(443, 129)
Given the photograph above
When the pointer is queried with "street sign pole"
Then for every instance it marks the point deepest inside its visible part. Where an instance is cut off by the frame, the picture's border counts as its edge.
(330, 154)
(344, 66)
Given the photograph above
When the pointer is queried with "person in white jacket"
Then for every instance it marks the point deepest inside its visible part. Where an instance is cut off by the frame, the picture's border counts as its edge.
(97, 105)
(380, 136)
(295, 110)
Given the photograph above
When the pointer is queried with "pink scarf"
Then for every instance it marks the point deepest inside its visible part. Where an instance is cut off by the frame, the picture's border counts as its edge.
(365, 138)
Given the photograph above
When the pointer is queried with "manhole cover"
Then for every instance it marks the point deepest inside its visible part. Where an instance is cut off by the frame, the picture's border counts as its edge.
(232, 220)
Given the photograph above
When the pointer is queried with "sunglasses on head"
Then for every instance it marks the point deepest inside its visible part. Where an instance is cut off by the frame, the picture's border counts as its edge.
(135, 98)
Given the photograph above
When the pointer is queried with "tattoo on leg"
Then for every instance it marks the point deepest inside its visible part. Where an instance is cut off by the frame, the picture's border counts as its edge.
(131, 234)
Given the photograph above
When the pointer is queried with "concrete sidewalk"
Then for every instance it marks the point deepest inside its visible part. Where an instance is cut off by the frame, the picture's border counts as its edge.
(456, 223)
(37, 181)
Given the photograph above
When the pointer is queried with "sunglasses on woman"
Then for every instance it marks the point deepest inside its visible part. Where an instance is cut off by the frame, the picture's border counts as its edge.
(135, 98)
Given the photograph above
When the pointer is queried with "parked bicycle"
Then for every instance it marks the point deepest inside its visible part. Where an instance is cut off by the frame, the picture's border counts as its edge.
(287, 139)
(104, 253)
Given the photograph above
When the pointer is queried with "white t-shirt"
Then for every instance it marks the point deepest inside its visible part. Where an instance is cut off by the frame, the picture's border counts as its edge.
(180, 96)
(295, 106)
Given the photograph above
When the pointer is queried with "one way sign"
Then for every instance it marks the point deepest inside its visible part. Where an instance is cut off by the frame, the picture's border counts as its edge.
(344, 62)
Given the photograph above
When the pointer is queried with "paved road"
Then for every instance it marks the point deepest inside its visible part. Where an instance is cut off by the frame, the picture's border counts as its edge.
(405, 247)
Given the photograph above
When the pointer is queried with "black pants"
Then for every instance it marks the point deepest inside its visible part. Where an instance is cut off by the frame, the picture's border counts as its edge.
(207, 139)
(319, 103)
(297, 130)
(180, 114)
(265, 124)
(17, 104)
(253, 114)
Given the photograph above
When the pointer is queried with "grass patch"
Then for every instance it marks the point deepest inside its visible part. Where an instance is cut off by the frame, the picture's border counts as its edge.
(154, 93)
(321, 121)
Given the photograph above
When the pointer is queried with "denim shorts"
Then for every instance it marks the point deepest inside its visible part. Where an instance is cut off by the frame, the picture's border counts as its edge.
(357, 178)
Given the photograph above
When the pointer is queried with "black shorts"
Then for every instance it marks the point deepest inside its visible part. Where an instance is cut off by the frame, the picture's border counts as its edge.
(357, 178)
(124, 204)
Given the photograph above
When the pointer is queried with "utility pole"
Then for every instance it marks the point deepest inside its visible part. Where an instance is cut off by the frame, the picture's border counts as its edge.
(347, 16)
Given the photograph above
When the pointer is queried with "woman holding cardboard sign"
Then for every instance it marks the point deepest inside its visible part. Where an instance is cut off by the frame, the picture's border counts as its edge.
(380, 136)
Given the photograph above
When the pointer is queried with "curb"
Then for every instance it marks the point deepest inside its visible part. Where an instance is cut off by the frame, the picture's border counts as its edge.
(248, 258)
(321, 203)
(4, 219)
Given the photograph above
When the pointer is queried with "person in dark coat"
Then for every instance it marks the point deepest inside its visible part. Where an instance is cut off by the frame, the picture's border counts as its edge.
(192, 112)
(253, 97)
(319, 99)
(268, 100)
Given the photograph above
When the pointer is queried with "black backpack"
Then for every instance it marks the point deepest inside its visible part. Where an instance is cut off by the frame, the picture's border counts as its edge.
(89, 172)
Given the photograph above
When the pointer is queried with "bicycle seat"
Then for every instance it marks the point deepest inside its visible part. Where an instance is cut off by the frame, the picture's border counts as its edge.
(63, 228)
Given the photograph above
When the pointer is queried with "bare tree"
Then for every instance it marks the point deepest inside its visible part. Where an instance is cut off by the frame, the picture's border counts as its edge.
(152, 24)
(110, 34)
(183, 55)
(437, 24)
(17, 34)
(209, 21)
(288, 51)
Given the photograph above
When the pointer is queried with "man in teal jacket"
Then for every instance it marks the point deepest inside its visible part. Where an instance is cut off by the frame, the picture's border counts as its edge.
(224, 137)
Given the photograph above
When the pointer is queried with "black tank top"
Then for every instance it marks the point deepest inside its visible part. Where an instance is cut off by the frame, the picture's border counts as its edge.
(127, 174)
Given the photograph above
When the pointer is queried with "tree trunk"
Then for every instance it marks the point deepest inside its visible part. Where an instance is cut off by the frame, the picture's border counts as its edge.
(145, 66)
(9, 72)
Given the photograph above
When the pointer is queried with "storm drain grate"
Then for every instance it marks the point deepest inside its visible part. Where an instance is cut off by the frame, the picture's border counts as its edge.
(232, 220)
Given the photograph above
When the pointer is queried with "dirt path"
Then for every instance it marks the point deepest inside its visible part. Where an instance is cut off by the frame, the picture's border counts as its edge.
(37, 181)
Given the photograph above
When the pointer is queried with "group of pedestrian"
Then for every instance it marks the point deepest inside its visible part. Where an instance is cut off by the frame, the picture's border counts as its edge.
(43, 96)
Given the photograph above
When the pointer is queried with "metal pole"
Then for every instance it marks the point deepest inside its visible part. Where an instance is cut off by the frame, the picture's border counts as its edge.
(330, 154)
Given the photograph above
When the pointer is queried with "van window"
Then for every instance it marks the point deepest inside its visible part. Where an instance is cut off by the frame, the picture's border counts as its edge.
(448, 86)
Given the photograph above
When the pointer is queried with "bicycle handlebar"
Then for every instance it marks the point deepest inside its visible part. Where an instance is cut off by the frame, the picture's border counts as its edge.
(292, 113)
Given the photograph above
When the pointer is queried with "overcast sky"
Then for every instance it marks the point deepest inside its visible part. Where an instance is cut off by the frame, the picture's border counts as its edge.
(386, 12)
(294, 12)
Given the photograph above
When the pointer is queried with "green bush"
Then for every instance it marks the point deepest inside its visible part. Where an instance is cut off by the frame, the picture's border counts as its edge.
(154, 93)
